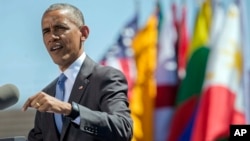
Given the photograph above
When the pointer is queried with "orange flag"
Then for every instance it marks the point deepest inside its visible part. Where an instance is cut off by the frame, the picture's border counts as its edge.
(143, 97)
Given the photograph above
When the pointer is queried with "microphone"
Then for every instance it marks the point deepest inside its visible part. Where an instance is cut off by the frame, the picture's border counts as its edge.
(9, 96)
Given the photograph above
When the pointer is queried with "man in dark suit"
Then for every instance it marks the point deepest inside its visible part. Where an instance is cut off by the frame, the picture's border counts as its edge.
(94, 105)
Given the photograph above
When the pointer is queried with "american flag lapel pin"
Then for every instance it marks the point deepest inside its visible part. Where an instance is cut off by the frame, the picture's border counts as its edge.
(80, 87)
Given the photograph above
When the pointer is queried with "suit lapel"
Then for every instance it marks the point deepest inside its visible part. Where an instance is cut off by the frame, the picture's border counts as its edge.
(79, 86)
(82, 80)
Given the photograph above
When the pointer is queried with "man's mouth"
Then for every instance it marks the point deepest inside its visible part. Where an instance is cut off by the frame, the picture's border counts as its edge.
(56, 48)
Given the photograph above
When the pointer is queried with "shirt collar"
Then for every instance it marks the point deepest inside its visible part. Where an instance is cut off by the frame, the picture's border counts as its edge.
(72, 71)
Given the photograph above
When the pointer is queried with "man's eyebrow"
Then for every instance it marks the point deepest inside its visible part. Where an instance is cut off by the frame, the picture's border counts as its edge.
(60, 25)
(55, 25)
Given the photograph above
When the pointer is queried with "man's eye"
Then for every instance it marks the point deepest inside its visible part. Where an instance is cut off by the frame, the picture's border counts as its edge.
(45, 31)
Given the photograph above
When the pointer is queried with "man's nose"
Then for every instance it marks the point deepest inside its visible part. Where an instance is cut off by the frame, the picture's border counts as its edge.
(54, 36)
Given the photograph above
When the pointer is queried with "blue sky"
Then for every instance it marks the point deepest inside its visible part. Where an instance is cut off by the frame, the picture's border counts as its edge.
(24, 59)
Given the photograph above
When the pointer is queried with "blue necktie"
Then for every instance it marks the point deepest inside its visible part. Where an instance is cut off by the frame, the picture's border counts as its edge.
(60, 89)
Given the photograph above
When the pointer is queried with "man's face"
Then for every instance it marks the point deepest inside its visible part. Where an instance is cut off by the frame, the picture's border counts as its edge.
(62, 37)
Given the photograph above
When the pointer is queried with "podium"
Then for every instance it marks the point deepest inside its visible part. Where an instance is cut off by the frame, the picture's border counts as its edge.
(17, 138)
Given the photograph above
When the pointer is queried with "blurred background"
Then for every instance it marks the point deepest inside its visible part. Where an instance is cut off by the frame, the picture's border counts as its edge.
(186, 61)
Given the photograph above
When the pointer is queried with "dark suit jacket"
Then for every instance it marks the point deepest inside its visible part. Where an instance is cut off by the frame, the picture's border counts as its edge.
(101, 93)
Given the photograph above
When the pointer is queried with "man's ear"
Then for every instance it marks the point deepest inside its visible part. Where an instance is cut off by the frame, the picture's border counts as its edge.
(85, 32)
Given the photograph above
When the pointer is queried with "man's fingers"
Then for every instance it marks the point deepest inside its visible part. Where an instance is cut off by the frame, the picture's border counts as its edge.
(43, 103)
(28, 103)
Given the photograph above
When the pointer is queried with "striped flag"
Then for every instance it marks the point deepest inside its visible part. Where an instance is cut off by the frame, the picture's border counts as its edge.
(121, 56)
(191, 86)
(166, 74)
(202, 28)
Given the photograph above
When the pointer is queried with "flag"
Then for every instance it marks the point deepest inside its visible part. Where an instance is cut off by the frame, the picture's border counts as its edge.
(217, 23)
(222, 100)
(202, 28)
(121, 56)
(188, 94)
(166, 74)
(191, 85)
(183, 42)
(144, 91)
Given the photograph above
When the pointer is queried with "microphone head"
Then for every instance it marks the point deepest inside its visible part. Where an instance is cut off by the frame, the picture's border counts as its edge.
(9, 96)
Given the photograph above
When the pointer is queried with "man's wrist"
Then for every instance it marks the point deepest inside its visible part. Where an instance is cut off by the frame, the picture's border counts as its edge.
(74, 111)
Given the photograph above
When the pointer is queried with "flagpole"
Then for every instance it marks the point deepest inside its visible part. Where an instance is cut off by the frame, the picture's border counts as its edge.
(137, 6)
